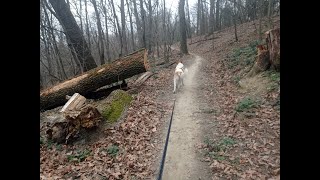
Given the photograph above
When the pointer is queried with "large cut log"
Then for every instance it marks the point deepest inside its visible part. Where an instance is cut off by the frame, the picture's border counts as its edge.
(105, 91)
(73, 121)
(125, 67)
(273, 44)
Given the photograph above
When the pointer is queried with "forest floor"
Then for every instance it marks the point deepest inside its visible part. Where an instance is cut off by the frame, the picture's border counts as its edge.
(224, 126)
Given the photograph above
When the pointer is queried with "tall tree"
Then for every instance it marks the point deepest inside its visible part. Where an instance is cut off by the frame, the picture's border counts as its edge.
(235, 20)
(123, 28)
(202, 21)
(150, 28)
(60, 66)
(260, 19)
(104, 4)
(211, 19)
(118, 27)
(138, 23)
(270, 12)
(189, 21)
(156, 28)
(218, 15)
(73, 31)
(131, 27)
(143, 15)
(87, 24)
(198, 16)
(165, 50)
(100, 32)
(183, 40)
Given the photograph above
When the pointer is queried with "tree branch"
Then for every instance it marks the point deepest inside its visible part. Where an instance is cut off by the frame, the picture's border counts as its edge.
(47, 27)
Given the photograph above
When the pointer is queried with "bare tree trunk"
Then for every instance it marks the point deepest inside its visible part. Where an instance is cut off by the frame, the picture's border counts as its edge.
(189, 34)
(156, 28)
(80, 17)
(202, 22)
(218, 15)
(183, 40)
(240, 14)
(165, 51)
(123, 28)
(100, 32)
(212, 5)
(198, 17)
(87, 24)
(72, 30)
(150, 29)
(131, 27)
(270, 25)
(107, 32)
(71, 48)
(206, 16)
(75, 63)
(260, 20)
(143, 15)
(59, 61)
(118, 26)
(235, 20)
(211, 20)
(47, 55)
(138, 23)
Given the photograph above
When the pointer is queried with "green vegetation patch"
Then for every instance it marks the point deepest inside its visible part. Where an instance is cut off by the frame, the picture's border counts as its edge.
(113, 111)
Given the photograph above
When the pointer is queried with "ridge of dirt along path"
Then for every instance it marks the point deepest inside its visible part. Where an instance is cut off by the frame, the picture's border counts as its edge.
(183, 160)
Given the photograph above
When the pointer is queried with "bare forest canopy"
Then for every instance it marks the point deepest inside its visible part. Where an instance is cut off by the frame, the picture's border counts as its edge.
(79, 35)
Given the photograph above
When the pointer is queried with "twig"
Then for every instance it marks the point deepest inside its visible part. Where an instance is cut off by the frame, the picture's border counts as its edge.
(47, 27)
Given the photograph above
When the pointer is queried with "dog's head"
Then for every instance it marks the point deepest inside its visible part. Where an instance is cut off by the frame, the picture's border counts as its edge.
(178, 72)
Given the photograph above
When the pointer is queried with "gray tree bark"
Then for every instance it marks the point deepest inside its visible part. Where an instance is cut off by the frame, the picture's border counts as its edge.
(100, 32)
(183, 40)
(123, 28)
(73, 31)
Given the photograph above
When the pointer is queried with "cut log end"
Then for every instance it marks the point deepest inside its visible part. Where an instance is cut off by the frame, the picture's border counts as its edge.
(74, 103)
(145, 61)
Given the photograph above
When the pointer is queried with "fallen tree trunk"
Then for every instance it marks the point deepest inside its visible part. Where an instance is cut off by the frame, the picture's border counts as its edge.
(123, 68)
(103, 91)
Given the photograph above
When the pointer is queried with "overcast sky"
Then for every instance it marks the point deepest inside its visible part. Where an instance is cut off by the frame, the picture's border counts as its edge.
(173, 4)
(170, 4)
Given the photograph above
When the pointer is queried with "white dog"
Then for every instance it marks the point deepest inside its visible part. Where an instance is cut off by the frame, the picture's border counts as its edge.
(179, 74)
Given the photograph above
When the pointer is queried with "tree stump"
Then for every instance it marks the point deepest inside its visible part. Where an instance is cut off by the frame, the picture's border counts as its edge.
(269, 55)
(273, 45)
(87, 118)
(73, 121)
(262, 61)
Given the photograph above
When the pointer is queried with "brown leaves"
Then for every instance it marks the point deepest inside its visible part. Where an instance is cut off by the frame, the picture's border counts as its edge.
(132, 137)
(257, 152)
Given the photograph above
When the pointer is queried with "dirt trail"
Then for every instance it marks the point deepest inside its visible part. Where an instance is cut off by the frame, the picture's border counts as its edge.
(183, 161)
